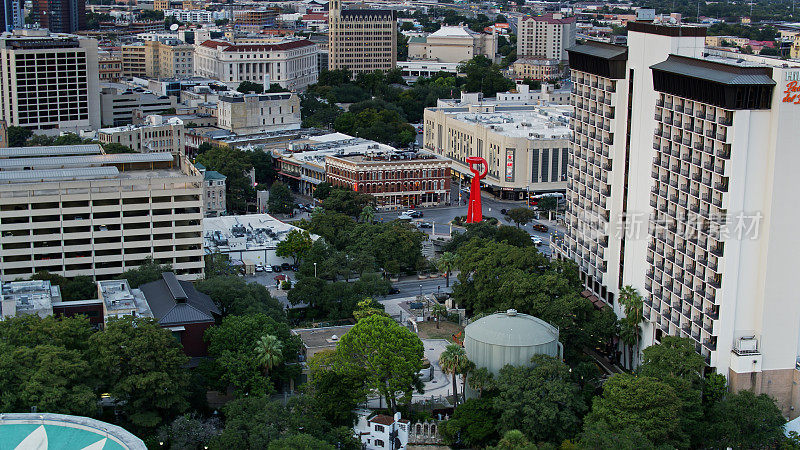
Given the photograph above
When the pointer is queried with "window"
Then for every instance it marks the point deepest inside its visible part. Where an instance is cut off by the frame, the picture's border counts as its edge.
(379, 428)
(379, 443)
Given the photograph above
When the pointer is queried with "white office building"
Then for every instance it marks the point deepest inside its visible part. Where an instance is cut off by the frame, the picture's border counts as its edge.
(49, 82)
(681, 184)
(290, 63)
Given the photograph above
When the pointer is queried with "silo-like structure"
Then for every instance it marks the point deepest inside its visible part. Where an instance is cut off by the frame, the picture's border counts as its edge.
(510, 338)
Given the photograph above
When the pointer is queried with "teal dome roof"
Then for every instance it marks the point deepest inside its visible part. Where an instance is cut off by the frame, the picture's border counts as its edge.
(63, 432)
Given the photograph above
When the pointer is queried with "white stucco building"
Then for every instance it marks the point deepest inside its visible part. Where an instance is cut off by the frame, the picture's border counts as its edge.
(452, 44)
(257, 113)
(290, 63)
(681, 184)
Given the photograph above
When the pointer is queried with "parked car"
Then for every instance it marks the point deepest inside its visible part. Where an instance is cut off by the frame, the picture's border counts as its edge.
(424, 225)
(276, 268)
(393, 290)
(536, 240)
(259, 267)
(539, 227)
(268, 268)
(295, 268)
(286, 266)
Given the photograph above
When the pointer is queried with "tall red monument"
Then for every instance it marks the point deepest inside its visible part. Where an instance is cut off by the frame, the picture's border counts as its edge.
(474, 211)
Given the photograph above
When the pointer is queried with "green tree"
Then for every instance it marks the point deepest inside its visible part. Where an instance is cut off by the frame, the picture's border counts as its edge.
(348, 202)
(438, 310)
(445, 264)
(386, 353)
(188, 432)
(484, 76)
(369, 307)
(453, 361)
(235, 164)
(249, 87)
(235, 296)
(281, 200)
(300, 441)
(269, 352)
(81, 287)
(630, 325)
(17, 136)
(295, 245)
(337, 391)
(218, 264)
(142, 367)
(473, 424)
(233, 345)
(367, 214)
(481, 380)
(541, 400)
(520, 216)
(147, 272)
(323, 190)
(113, 148)
(547, 204)
(745, 420)
(251, 423)
(515, 440)
(635, 406)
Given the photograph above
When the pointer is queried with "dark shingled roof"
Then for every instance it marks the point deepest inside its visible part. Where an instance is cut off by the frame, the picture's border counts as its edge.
(601, 50)
(171, 311)
(717, 72)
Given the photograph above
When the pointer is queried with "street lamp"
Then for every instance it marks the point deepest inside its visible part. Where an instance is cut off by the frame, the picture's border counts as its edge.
(420, 290)
(315, 270)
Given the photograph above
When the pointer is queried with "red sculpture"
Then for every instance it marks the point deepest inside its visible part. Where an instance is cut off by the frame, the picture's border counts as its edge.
(474, 211)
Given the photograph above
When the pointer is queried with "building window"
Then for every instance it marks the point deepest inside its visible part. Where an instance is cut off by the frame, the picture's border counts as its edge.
(379, 428)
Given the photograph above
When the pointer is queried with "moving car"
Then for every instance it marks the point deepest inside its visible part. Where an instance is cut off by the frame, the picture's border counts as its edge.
(539, 227)
(393, 290)
(414, 214)
(536, 240)
(424, 225)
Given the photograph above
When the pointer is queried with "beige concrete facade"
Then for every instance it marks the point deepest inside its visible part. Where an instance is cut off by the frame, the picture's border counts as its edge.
(257, 113)
(49, 82)
(452, 45)
(168, 59)
(525, 149)
(110, 67)
(156, 134)
(539, 69)
(98, 215)
(134, 60)
(547, 36)
(361, 40)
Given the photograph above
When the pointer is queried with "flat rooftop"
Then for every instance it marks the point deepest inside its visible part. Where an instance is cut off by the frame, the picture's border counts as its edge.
(244, 233)
(52, 150)
(29, 297)
(119, 297)
(321, 337)
(533, 122)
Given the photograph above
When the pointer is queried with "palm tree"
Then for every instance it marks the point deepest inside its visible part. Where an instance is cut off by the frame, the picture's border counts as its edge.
(367, 214)
(445, 264)
(452, 362)
(438, 310)
(630, 326)
(481, 379)
(268, 352)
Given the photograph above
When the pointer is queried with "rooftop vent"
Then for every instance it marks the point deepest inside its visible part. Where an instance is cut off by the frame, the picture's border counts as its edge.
(511, 312)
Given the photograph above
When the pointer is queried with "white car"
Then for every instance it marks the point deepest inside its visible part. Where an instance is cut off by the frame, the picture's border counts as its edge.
(404, 216)
(259, 267)
(536, 240)
(268, 268)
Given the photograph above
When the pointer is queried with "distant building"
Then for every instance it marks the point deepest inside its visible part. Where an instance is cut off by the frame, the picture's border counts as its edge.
(11, 15)
(384, 432)
(290, 63)
(178, 307)
(60, 16)
(110, 67)
(40, 430)
(213, 192)
(257, 113)
(538, 69)
(452, 44)
(168, 58)
(134, 60)
(119, 300)
(361, 40)
(264, 18)
(118, 102)
(414, 69)
(27, 298)
(547, 36)
(156, 134)
(49, 82)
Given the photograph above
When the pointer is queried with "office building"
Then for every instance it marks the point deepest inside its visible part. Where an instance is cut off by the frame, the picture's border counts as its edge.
(11, 15)
(48, 82)
(525, 146)
(60, 16)
(289, 63)
(361, 40)
(680, 184)
(134, 60)
(214, 196)
(257, 113)
(118, 103)
(452, 44)
(168, 57)
(72, 210)
(156, 134)
(546, 36)
(264, 18)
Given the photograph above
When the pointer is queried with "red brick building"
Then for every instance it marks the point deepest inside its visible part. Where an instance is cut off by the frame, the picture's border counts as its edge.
(397, 180)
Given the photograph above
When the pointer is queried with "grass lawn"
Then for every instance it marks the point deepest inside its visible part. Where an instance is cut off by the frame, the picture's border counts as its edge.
(428, 330)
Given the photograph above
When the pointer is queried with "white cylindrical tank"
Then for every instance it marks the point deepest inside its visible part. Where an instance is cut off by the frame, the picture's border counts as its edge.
(509, 338)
